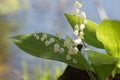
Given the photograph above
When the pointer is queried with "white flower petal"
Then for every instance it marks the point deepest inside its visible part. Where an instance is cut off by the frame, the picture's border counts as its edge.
(34, 35)
(75, 49)
(77, 41)
(56, 50)
(57, 46)
(81, 33)
(47, 43)
(77, 4)
(37, 37)
(74, 61)
(70, 52)
(83, 15)
(42, 39)
(44, 35)
(77, 11)
(85, 21)
(62, 50)
(76, 32)
(67, 41)
(68, 57)
(82, 26)
(51, 40)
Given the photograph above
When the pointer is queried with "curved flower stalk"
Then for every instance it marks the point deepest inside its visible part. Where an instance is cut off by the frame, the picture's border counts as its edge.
(78, 28)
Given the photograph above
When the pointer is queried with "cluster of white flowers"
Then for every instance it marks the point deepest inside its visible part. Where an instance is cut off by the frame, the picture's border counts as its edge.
(56, 48)
(49, 41)
(44, 36)
(75, 50)
(68, 43)
(36, 36)
(78, 6)
(78, 32)
(72, 50)
(77, 41)
(78, 29)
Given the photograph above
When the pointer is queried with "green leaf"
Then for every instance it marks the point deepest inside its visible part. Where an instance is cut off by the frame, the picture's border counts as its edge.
(103, 64)
(114, 72)
(37, 48)
(103, 71)
(89, 31)
(109, 34)
(98, 58)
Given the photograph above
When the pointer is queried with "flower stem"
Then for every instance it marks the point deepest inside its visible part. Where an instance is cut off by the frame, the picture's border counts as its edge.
(84, 43)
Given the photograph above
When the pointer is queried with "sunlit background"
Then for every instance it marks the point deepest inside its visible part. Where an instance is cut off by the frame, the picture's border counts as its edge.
(28, 16)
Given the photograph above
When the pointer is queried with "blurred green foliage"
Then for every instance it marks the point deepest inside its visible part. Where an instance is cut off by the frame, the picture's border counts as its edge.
(10, 6)
(7, 6)
(42, 74)
(4, 32)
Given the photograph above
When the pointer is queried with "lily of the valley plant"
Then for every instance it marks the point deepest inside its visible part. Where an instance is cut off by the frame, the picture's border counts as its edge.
(104, 36)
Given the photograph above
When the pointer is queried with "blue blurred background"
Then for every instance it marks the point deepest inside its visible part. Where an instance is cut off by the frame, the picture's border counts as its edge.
(48, 16)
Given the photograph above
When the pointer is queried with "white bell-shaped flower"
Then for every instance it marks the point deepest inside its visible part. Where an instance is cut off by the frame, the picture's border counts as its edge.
(51, 40)
(44, 35)
(77, 4)
(83, 15)
(77, 41)
(75, 50)
(47, 43)
(67, 41)
(57, 46)
(34, 35)
(82, 26)
(68, 57)
(76, 32)
(77, 11)
(56, 49)
(62, 50)
(70, 52)
(85, 21)
(37, 37)
(42, 39)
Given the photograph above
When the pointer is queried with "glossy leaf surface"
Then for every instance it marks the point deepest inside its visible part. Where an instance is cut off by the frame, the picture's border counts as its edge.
(37, 48)
(103, 64)
(109, 34)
